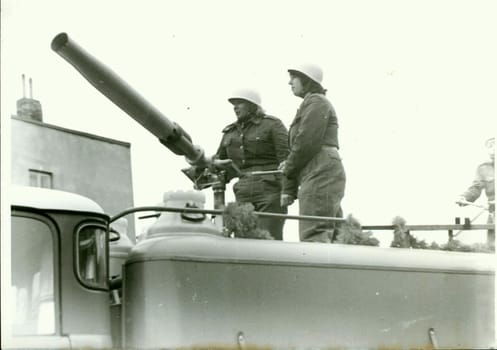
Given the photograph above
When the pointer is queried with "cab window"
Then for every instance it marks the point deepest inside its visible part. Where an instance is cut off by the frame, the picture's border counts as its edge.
(32, 276)
(92, 256)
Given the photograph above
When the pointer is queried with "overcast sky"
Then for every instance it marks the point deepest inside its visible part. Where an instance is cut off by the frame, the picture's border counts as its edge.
(414, 85)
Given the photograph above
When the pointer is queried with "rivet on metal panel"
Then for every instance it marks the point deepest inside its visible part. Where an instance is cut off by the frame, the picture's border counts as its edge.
(241, 340)
(433, 338)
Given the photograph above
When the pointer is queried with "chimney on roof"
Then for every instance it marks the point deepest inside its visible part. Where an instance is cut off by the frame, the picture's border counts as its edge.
(29, 108)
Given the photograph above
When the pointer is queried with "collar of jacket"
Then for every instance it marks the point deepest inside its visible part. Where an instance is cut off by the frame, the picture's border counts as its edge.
(255, 119)
(308, 99)
(310, 95)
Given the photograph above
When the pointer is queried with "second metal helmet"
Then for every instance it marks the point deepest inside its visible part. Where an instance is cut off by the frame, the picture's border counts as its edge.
(312, 71)
(246, 94)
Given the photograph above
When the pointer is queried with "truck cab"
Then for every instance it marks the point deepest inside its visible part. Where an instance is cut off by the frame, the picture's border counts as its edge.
(59, 267)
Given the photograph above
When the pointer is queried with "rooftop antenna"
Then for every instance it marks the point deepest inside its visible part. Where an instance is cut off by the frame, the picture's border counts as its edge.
(30, 88)
(29, 108)
(23, 86)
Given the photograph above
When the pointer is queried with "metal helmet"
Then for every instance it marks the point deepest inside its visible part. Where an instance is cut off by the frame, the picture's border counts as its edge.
(247, 95)
(312, 71)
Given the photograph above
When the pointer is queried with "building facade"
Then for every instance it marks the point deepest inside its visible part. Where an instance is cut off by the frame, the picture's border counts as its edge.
(45, 155)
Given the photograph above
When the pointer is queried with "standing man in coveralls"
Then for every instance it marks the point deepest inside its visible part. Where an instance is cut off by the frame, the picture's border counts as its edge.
(256, 142)
(314, 162)
(484, 181)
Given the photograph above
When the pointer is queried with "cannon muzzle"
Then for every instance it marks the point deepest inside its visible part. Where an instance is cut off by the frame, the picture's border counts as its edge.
(118, 91)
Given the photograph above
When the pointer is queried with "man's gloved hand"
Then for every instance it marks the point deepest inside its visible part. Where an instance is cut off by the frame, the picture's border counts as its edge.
(286, 200)
(461, 201)
(220, 163)
(282, 165)
(215, 163)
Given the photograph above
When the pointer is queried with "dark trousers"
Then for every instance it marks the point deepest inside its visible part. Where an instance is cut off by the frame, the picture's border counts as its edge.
(263, 192)
(322, 187)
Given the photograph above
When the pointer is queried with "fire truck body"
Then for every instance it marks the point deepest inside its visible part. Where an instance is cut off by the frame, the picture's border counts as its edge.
(191, 287)
(202, 290)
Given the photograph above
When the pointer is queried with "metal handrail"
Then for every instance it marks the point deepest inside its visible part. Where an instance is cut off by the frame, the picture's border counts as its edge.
(431, 227)
(306, 217)
(220, 212)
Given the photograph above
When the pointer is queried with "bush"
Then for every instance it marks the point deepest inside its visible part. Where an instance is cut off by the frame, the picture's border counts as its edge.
(350, 232)
(458, 246)
(403, 239)
(241, 222)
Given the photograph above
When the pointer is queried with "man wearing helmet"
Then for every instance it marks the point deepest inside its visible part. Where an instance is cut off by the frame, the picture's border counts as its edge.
(256, 142)
(313, 161)
(484, 181)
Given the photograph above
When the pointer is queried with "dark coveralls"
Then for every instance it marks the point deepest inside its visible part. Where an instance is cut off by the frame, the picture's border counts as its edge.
(258, 144)
(315, 165)
(484, 180)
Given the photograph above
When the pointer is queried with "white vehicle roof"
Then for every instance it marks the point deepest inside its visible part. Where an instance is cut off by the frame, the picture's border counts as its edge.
(43, 198)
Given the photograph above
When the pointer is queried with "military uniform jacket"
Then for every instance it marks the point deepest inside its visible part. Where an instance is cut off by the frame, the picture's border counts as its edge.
(260, 143)
(484, 181)
(314, 126)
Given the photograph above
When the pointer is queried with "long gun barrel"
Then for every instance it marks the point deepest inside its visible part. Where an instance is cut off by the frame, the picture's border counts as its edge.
(118, 91)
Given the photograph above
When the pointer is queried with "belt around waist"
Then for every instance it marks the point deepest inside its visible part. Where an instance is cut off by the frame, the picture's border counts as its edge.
(256, 171)
(260, 167)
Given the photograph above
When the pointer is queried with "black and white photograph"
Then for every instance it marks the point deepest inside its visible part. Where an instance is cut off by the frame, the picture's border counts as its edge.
(231, 174)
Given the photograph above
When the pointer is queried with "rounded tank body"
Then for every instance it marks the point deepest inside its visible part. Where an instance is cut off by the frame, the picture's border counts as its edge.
(199, 290)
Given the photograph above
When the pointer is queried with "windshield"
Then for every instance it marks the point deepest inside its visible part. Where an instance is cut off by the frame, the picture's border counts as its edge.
(32, 279)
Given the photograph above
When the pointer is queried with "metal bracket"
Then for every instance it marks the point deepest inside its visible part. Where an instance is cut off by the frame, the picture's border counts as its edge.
(433, 338)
